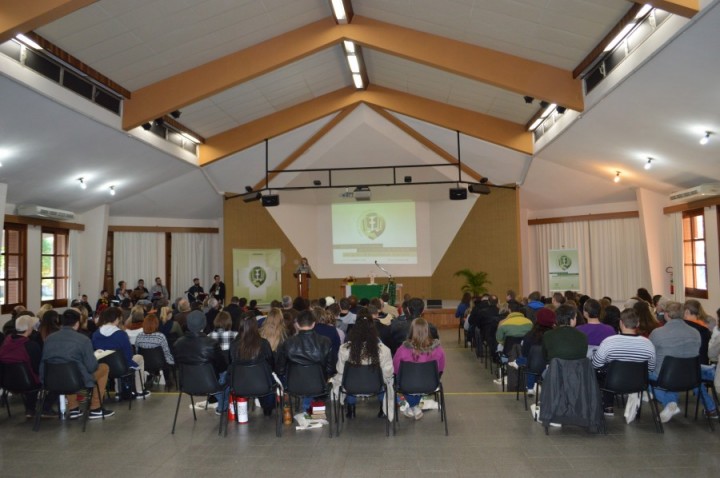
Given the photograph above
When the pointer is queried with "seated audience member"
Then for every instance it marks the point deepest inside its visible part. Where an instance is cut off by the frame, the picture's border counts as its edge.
(327, 330)
(212, 312)
(484, 316)
(221, 332)
(676, 339)
(714, 352)
(253, 307)
(346, 317)
(103, 302)
(564, 341)
(150, 338)
(463, 306)
(87, 327)
(514, 325)
(400, 327)
(159, 291)
(110, 337)
(196, 348)
(648, 321)
(140, 291)
(121, 291)
(627, 346)
(18, 348)
(289, 316)
(329, 317)
(183, 307)
(134, 324)
(334, 311)
(534, 305)
(384, 319)
(695, 316)
(195, 293)
(611, 317)
(66, 345)
(364, 348)
(126, 309)
(384, 331)
(596, 332)
(544, 322)
(558, 299)
(49, 324)
(419, 347)
(249, 349)
(307, 347)
(388, 308)
(234, 309)
(169, 326)
(660, 309)
(644, 295)
(273, 330)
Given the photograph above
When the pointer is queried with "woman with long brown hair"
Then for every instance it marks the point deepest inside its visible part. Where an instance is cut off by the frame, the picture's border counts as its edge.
(420, 347)
(249, 348)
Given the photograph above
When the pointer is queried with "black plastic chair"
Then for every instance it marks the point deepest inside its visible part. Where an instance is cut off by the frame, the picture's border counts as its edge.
(360, 380)
(65, 378)
(197, 380)
(510, 343)
(624, 378)
(155, 362)
(535, 366)
(16, 378)
(256, 381)
(680, 375)
(420, 379)
(710, 385)
(119, 370)
(309, 381)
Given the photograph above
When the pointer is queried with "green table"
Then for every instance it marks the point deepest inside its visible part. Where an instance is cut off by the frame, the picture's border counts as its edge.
(366, 291)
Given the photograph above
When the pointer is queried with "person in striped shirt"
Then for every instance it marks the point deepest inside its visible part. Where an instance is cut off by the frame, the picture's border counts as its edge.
(627, 346)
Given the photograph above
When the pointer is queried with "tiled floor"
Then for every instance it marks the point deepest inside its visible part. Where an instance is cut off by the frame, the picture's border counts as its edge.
(490, 435)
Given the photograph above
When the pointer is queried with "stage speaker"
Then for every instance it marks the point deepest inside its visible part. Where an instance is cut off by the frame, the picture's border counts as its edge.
(271, 200)
(479, 188)
(434, 304)
(458, 194)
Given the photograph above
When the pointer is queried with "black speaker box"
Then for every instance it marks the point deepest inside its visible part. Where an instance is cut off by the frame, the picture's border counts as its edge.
(458, 194)
(271, 200)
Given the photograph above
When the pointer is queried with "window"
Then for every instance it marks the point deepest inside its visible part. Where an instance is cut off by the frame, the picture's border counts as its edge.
(54, 260)
(695, 275)
(12, 267)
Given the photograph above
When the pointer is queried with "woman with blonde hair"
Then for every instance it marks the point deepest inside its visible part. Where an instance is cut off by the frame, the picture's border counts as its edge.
(420, 347)
(273, 329)
(43, 309)
(168, 326)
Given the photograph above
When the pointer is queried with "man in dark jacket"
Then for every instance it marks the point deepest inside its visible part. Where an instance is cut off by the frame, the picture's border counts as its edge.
(235, 311)
(196, 348)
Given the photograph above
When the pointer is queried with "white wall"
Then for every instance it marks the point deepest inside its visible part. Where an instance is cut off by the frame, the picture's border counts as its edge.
(652, 225)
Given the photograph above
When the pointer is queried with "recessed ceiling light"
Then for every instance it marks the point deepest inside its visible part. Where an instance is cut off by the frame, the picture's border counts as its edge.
(648, 165)
(705, 139)
(112, 190)
(617, 177)
(83, 184)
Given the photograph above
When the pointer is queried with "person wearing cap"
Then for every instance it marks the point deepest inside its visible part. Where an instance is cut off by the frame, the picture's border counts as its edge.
(196, 348)
(67, 345)
(627, 346)
(544, 322)
(18, 348)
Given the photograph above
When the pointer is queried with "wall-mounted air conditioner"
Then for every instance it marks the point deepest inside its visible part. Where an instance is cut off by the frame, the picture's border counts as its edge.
(33, 210)
(698, 192)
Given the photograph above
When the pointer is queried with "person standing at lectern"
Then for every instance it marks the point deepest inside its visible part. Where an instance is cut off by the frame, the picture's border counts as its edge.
(303, 267)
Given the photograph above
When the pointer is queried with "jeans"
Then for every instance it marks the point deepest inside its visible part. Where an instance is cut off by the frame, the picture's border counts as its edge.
(707, 372)
(224, 396)
(529, 378)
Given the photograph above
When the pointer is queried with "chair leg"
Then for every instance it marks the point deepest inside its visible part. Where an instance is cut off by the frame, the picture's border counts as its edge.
(6, 399)
(387, 422)
(38, 408)
(330, 413)
(655, 411)
(279, 409)
(88, 400)
(177, 408)
(443, 413)
(192, 402)
(705, 406)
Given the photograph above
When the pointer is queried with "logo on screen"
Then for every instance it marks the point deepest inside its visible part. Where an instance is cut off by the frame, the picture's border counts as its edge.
(257, 276)
(564, 262)
(372, 225)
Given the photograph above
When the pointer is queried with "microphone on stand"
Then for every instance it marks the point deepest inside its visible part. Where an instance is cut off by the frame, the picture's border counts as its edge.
(383, 269)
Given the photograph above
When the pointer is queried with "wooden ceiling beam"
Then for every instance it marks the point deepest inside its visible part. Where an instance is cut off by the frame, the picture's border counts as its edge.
(478, 125)
(685, 8)
(22, 16)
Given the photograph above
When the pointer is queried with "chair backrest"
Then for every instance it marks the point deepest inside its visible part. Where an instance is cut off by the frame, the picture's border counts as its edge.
(679, 374)
(626, 377)
(251, 380)
(418, 377)
(536, 360)
(16, 377)
(305, 380)
(116, 363)
(510, 342)
(154, 359)
(197, 379)
(362, 379)
(63, 378)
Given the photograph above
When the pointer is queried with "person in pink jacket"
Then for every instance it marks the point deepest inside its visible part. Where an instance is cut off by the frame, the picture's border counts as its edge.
(419, 347)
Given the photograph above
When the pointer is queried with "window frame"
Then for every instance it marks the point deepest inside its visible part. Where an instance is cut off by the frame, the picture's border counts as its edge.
(22, 262)
(56, 301)
(694, 292)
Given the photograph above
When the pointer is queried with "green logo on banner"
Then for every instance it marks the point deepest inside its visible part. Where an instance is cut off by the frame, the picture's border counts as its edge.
(372, 225)
(257, 276)
(564, 262)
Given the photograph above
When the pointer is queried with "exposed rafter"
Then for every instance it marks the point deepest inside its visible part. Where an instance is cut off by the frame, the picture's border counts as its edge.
(685, 8)
(24, 16)
(478, 125)
(509, 72)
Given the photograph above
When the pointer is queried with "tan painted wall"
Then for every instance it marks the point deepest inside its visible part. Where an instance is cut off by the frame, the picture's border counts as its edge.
(488, 240)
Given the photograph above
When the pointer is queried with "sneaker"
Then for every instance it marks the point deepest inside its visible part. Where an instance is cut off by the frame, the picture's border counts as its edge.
(74, 413)
(99, 413)
(609, 411)
(712, 414)
(531, 391)
(381, 414)
(219, 412)
(556, 425)
(500, 381)
(670, 410)
(513, 364)
(408, 412)
(535, 412)
(417, 412)
(29, 413)
(141, 395)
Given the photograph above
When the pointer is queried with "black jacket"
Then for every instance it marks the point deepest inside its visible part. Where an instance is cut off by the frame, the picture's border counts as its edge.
(306, 348)
(193, 349)
(483, 313)
(235, 311)
(265, 354)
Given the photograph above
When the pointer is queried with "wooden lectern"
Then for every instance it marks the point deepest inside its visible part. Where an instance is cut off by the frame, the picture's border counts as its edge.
(303, 284)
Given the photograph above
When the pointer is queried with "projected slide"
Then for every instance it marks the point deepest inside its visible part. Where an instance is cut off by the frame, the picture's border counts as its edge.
(363, 233)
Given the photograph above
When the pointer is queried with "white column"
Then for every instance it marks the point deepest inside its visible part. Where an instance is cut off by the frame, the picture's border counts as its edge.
(89, 264)
(655, 235)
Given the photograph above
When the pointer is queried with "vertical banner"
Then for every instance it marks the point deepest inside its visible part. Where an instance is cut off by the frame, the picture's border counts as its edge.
(563, 268)
(256, 274)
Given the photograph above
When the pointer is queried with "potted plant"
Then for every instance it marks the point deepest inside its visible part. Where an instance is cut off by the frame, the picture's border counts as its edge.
(474, 281)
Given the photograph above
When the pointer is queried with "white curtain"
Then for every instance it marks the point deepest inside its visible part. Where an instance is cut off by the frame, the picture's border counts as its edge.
(612, 255)
(194, 255)
(138, 255)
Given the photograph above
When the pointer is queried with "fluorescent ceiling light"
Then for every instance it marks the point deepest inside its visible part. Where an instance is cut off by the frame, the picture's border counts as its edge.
(349, 46)
(339, 11)
(27, 41)
(357, 79)
(643, 11)
(354, 64)
(190, 137)
(551, 107)
(619, 37)
(535, 124)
